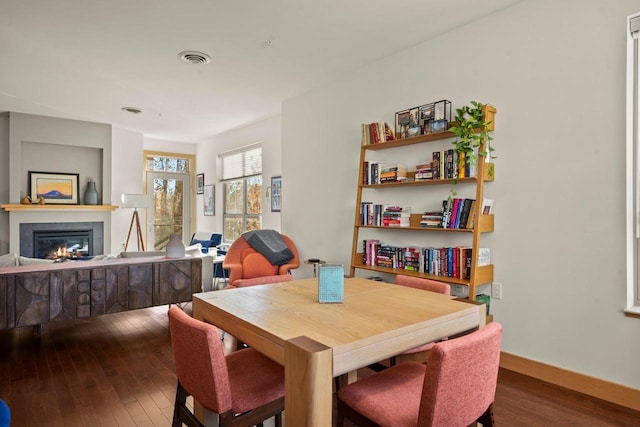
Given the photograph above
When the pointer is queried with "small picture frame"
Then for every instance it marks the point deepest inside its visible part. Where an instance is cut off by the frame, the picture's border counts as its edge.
(442, 110)
(209, 199)
(426, 112)
(276, 193)
(54, 188)
(200, 183)
(438, 125)
(414, 123)
(402, 124)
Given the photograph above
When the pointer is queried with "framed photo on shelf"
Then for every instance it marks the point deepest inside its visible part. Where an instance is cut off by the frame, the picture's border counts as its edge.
(402, 124)
(199, 183)
(276, 193)
(414, 122)
(209, 199)
(54, 188)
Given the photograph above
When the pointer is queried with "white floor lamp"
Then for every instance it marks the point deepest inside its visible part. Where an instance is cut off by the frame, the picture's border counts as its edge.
(135, 202)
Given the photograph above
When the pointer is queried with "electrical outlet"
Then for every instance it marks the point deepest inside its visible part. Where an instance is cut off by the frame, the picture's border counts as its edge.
(496, 290)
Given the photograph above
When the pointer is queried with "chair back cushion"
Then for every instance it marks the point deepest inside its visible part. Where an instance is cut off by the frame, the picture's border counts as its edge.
(424, 284)
(256, 265)
(200, 363)
(460, 380)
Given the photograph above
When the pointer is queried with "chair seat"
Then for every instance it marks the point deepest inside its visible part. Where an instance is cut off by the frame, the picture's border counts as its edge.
(389, 398)
(254, 381)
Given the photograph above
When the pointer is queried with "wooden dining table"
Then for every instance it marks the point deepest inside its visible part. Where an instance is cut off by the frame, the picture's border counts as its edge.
(316, 342)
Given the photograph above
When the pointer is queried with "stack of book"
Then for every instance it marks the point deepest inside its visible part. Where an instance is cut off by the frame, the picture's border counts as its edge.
(393, 173)
(424, 171)
(432, 219)
(375, 133)
(396, 216)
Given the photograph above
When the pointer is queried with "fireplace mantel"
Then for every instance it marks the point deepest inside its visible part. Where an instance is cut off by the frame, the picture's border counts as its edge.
(34, 207)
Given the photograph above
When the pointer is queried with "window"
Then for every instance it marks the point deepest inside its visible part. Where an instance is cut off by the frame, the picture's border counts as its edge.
(168, 185)
(242, 186)
(633, 167)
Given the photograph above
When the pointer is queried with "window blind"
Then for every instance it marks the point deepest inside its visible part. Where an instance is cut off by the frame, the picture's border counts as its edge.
(241, 163)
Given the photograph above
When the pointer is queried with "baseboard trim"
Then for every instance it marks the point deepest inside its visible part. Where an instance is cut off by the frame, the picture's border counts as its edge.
(605, 390)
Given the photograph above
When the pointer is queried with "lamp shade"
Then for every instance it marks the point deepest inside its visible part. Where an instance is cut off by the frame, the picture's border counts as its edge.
(134, 201)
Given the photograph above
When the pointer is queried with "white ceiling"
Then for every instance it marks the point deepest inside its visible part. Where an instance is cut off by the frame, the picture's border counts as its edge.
(85, 59)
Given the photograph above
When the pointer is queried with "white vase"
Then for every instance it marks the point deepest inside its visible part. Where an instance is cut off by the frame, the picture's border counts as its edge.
(175, 247)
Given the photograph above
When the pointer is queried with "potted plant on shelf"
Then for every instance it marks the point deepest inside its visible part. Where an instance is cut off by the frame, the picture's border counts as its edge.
(473, 134)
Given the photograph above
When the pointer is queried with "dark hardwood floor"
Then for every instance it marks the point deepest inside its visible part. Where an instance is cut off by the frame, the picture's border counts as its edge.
(117, 370)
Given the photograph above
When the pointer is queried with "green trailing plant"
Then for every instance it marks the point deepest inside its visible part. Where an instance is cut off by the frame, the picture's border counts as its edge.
(471, 131)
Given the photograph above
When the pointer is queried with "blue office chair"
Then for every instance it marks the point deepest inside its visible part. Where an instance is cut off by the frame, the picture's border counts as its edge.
(212, 242)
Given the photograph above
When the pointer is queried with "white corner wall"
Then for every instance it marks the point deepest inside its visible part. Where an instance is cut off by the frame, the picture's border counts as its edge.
(556, 73)
(268, 133)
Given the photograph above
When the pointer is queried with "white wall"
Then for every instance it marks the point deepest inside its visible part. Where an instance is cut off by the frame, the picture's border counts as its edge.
(127, 149)
(267, 132)
(556, 73)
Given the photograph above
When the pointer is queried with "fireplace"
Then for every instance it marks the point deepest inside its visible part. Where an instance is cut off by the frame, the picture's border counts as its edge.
(52, 244)
(61, 240)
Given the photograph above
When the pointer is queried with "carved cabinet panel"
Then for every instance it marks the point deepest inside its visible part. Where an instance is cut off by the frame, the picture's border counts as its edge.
(37, 297)
(32, 298)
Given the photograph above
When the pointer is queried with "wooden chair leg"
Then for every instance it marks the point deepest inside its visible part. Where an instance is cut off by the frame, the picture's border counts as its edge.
(181, 414)
(278, 420)
(486, 419)
(181, 400)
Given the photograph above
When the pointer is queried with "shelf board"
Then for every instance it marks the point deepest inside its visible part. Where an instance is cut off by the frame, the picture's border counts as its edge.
(489, 176)
(484, 274)
(35, 207)
(486, 226)
(436, 136)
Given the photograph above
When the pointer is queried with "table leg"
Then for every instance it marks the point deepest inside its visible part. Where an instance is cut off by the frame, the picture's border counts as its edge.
(308, 376)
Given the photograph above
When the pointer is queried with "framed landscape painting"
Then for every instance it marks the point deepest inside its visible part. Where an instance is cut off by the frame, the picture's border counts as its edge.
(54, 188)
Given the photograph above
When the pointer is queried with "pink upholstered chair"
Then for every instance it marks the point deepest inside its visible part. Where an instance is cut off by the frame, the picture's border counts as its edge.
(244, 262)
(455, 388)
(244, 387)
(419, 353)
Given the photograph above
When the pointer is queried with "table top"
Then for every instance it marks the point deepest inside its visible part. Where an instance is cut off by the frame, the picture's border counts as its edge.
(375, 321)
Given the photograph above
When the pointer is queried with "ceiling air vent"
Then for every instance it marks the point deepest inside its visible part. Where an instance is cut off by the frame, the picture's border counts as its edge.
(132, 110)
(193, 57)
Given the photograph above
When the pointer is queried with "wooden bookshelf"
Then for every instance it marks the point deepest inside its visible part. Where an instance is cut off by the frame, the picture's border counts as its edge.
(483, 223)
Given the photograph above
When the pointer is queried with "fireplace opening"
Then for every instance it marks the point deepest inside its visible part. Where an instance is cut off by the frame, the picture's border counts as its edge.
(63, 244)
(91, 236)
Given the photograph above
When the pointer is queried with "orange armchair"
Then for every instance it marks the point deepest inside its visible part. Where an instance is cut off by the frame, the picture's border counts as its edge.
(245, 263)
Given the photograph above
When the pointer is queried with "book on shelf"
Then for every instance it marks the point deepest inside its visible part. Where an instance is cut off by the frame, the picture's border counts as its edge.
(393, 172)
(396, 216)
(431, 219)
(484, 257)
(377, 132)
(472, 209)
(451, 261)
(456, 213)
(487, 206)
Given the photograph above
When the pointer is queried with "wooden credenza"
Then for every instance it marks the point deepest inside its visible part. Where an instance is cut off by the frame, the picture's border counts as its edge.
(35, 295)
